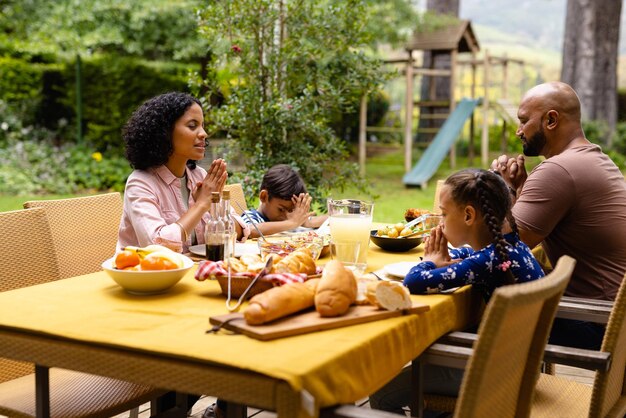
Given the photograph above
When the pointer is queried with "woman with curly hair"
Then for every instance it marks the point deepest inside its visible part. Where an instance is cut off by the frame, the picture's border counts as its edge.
(167, 196)
(476, 209)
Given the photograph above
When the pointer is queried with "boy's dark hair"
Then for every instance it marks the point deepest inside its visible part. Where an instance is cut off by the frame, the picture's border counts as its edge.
(282, 182)
(487, 192)
(148, 132)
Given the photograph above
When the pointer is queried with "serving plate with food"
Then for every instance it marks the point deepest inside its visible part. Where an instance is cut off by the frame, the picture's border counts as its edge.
(325, 303)
(297, 266)
(147, 270)
(402, 237)
(283, 246)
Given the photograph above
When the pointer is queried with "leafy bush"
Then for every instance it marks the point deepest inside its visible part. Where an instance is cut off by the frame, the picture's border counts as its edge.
(296, 65)
(31, 166)
(19, 80)
(30, 162)
(346, 124)
(597, 132)
(45, 94)
(113, 87)
(22, 86)
(619, 141)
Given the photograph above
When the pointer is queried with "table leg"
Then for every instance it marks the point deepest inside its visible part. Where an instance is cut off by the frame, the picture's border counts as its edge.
(234, 410)
(163, 407)
(417, 389)
(42, 391)
(292, 404)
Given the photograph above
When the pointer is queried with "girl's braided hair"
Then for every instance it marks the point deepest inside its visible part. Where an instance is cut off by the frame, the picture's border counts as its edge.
(489, 194)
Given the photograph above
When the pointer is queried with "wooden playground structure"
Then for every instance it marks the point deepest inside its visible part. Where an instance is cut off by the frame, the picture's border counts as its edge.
(452, 40)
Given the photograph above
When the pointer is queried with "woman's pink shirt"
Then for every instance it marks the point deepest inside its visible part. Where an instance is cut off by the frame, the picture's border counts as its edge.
(152, 205)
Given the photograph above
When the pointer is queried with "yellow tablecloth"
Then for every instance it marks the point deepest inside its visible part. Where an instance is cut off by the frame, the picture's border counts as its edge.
(334, 366)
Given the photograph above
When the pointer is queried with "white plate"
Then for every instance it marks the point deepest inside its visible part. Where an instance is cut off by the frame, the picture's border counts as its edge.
(241, 248)
(400, 269)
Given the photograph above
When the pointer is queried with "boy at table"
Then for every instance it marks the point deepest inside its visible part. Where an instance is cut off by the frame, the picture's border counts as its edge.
(284, 203)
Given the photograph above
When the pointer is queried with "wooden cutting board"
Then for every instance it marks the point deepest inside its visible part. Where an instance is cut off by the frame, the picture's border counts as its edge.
(309, 321)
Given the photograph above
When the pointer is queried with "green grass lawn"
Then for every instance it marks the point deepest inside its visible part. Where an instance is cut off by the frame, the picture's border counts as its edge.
(391, 198)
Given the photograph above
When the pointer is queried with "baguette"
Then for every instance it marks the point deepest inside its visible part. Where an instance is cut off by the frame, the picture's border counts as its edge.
(391, 296)
(336, 291)
(280, 301)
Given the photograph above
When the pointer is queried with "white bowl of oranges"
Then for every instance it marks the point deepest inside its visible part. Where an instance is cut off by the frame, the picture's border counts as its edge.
(148, 270)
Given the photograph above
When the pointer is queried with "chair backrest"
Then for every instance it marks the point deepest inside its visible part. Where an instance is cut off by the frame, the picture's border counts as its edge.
(436, 208)
(237, 198)
(27, 257)
(84, 230)
(610, 385)
(500, 378)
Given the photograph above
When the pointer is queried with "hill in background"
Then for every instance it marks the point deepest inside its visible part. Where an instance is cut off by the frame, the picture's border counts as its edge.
(528, 29)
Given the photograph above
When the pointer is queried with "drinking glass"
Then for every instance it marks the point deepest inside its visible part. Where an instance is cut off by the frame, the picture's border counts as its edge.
(431, 222)
(347, 252)
(351, 220)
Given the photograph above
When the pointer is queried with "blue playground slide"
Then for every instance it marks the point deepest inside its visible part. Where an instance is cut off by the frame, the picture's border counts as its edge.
(438, 148)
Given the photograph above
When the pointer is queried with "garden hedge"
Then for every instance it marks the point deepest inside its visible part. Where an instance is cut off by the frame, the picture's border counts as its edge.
(112, 87)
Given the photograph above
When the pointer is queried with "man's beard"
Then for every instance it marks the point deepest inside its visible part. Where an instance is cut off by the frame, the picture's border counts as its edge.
(532, 147)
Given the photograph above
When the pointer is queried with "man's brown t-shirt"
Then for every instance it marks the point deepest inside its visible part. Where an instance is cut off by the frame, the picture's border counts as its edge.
(577, 200)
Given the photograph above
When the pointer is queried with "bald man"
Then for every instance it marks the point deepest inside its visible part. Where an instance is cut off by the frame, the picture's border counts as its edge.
(574, 202)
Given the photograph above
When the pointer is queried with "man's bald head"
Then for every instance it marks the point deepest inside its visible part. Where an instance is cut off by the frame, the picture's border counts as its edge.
(555, 95)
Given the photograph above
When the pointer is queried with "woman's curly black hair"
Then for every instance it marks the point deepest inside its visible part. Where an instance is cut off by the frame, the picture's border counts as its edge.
(148, 132)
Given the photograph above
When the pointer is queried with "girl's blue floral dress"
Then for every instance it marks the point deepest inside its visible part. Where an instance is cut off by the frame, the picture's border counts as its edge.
(475, 267)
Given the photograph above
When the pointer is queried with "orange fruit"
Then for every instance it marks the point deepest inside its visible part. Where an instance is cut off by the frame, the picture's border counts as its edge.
(132, 268)
(126, 259)
(157, 263)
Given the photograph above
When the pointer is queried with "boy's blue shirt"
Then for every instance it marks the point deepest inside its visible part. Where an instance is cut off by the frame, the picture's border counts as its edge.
(255, 215)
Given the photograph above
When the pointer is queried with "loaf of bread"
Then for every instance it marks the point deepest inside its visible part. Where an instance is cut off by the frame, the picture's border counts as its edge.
(236, 265)
(281, 301)
(370, 293)
(253, 262)
(391, 296)
(361, 293)
(299, 261)
(336, 291)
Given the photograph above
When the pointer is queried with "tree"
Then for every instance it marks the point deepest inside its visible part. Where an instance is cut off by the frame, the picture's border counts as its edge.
(294, 64)
(391, 21)
(72, 29)
(590, 50)
(150, 29)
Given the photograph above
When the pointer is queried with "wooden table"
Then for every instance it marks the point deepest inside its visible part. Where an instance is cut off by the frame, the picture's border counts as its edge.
(90, 324)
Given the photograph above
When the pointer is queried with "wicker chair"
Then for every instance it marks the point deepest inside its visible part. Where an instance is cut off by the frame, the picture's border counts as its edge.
(559, 397)
(84, 230)
(237, 198)
(505, 361)
(503, 365)
(28, 258)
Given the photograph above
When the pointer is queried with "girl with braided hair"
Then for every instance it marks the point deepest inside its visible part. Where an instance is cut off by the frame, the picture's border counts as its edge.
(476, 209)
